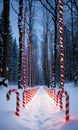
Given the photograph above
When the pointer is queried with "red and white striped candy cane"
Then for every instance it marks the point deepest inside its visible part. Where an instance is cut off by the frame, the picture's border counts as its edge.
(17, 103)
(17, 100)
(9, 93)
(61, 42)
(66, 105)
(50, 93)
(24, 98)
(57, 101)
(60, 100)
(28, 96)
(54, 93)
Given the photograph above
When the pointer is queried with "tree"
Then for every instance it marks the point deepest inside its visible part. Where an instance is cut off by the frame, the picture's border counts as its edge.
(67, 54)
(50, 59)
(13, 61)
(1, 41)
(52, 8)
(4, 74)
(72, 6)
(31, 5)
(10, 59)
(20, 44)
(45, 52)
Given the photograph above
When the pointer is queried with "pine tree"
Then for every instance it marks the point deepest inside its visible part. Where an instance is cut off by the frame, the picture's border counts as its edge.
(10, 59)
(13, 61)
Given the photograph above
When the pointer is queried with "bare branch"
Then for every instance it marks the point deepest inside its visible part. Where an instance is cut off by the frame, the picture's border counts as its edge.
(50, 5)
(47, 8)
(67, 3)
(75, 3)
(72, 10)
(14, 9)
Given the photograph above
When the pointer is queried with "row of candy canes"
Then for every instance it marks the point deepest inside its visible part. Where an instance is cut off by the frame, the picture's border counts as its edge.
(57, 97)
(28, 57)
(24, 65)
(51, 92)
(27, 96)
(61, 92)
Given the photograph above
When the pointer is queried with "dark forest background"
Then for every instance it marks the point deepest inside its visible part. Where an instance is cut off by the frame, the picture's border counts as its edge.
(43, 22)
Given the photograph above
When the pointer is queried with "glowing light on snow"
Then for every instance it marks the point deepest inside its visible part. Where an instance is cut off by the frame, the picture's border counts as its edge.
(68, 120)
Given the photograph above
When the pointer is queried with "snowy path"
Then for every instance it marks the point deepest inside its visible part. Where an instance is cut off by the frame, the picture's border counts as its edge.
(43, 111)
(39, 114)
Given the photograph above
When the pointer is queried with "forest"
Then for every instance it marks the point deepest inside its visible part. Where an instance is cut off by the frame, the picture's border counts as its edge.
(33, 55)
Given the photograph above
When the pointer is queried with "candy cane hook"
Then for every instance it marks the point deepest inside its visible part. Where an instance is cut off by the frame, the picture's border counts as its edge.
(17, 100)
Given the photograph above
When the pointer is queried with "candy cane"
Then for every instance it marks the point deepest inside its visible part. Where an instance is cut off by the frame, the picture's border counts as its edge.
(51, 93)
(9, 93)
(59, 100)
(61, 42)
(30, 94)
(17, 104)
(17, 100)
(24, 98)
(66, 105)
(54, 94)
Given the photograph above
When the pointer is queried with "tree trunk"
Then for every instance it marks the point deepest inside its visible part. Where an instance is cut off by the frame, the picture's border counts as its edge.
(20, 44)
(73, 46)
(5, 43)
(55, 49)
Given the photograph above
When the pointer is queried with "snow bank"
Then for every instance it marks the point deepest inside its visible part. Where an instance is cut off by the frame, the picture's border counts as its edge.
(40, 114)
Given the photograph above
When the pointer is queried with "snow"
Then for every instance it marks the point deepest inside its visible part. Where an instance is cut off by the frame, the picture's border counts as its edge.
(39, 114)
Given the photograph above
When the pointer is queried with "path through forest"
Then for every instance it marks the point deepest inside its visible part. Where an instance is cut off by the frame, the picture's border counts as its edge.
(43, 111)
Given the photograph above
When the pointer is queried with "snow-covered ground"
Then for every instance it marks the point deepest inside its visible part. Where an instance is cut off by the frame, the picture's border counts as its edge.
(40, 114)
